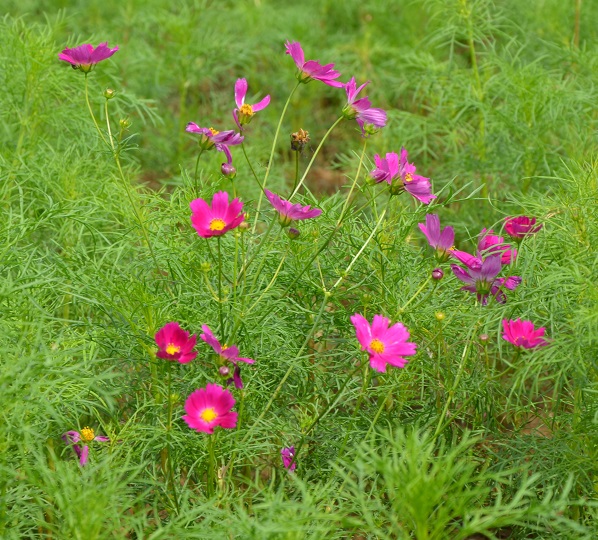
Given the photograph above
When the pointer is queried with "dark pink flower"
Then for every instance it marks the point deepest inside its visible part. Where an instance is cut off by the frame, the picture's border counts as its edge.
(84, 57)
(312, 69)
(244, 112)
(288, 456)
(209, 407)
(175, 343)
(220, 140)
(482, 279)
(369, 118)
(491, 244)
(522, 334)
(400, 175)
(289, 212)
(87, 435)
(521, 226)
(384, 345)
(441, 241)
(217, 219)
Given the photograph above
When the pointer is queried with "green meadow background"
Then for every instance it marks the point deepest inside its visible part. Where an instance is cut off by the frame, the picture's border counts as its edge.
(496, 102)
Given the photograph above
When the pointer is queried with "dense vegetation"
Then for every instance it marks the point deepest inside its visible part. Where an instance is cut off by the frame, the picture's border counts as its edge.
(474, 438)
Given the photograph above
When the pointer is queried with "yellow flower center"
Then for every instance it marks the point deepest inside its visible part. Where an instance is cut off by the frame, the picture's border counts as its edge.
(171, 349)
(209, 414)
(246, 109)
(213, 131)
(377, 346)
(217, 224)
(87, 434)
(408, 177)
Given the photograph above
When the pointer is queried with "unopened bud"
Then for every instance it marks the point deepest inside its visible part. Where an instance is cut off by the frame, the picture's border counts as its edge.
(484, 338)
(293, 233)
(228, 170)
(440, 316)
(109, 93)
(125, 123)
(244, 226)
(205, 267)
(298, 140)
(224, 371)
(437, 274)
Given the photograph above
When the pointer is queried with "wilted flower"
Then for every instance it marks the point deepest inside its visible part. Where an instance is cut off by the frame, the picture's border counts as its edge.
(521, 226)
(522, 334)
(361, 109)
(443, 241)
(209, 407)
(312, 69)
(400, 175)
(85, 57)
(384, 345)
(217, 219)
(87, 435)
(289, 212)
(175, 343)
(244, 112)
(288, 455)
(298, 140)
(482, 279)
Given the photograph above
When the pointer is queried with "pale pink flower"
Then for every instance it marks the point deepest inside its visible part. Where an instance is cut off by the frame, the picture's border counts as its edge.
(289, 212)
(441, 241)
(370, 119)
(244, 112)
(312, 69)
(87, 435)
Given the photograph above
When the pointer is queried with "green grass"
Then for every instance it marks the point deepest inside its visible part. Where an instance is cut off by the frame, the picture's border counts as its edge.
(495, 101)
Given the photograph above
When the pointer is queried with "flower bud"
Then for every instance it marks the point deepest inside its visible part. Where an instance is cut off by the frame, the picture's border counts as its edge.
(205, 267)
(125, 123)
(244, 226)
(298, 140)
(228, 170)
(293, 233)
(484, 338)
(437, 274)
(224, 371)
(109, 93)
(440, 316)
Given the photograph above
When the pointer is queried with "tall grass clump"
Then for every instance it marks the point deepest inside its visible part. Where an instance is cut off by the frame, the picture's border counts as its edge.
(246, 295)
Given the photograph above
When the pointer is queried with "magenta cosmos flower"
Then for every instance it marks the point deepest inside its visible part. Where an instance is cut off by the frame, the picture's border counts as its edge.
(521, 226)
(383, 344)
(225, 352)
(220, 140)
(312, 69)
(87, 435)
(400, 176)
(175, 343)
(244, 112)
(488, 244)
(441, 241)
(522, 334)
(483, 281)
(289, 212)
(217, 219)
(85, 57)
(369, 118)
(288, 455)
(209, 407)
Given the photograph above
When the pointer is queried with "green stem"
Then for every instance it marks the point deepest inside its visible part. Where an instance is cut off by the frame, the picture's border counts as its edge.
(93, 117)
(313, 158)
(424, 285)
(268, 167)
(171, 464)
(250, 165)
(196, 168)
(220, 289)
(296, 172)
(211, 465)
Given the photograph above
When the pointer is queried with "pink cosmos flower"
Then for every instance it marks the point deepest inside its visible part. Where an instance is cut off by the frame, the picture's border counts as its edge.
(244, 112)
(443, 241)
(87, 435)
(217, 219)
(369, 118)
(488, 244)
(212, 138)
(287, 455)
(312, 69)
(521, 226)
(483, 281)
(384, 345)
(400, 175)
(85, 57)
(175, 343)
(209, 407)
(289, 212)
(522, 334)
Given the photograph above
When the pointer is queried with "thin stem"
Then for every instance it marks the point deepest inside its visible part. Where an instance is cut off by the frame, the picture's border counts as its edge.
(211, 465)
(171, 465)
(197, 167)
(250, 165)
(108, 126)
(268, 167)
(313, 158)
(220, 289)
(296, 172)
(424, 285)
(95, 122)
